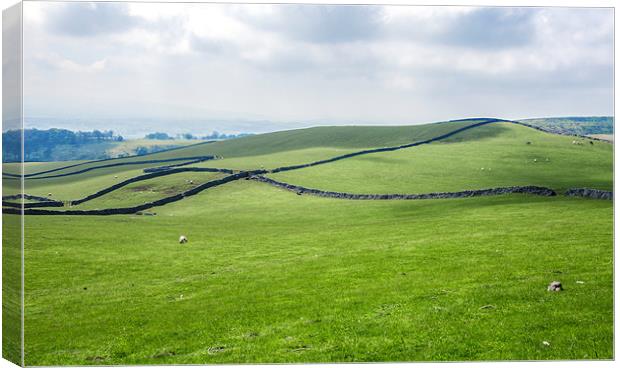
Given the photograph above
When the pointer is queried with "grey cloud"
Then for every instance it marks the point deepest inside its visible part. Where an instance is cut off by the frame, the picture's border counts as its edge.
(482, 28)
(90, 19)
(491, 28)
(323, 23)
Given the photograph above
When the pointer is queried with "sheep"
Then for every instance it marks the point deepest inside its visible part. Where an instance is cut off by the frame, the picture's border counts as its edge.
(182, 239)
(49, 194)
(191, 182)
(535, 160)
(555, 286)
(574, 142)
(115, 176)
(482, 168)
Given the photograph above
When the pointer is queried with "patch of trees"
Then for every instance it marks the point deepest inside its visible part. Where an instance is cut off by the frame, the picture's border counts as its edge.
(158, 136)
(217, 135)
(189, 136)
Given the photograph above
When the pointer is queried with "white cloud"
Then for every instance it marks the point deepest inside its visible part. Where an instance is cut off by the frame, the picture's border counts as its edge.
(392, 64)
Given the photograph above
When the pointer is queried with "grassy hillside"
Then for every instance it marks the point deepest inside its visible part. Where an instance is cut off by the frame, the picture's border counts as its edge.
(576, 125)
(269, 276)
(458, 162)
(298, 146)
(135, 146)
(149, 190)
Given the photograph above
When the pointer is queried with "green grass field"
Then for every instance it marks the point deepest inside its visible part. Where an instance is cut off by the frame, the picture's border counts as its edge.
(457, 164)
(272, 277)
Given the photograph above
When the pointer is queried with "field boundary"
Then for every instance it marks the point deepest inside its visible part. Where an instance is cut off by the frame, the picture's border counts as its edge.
(148, 176)
(142, 207)
(589, 193)
(299, 190)
(103, 160)
(40, 201)
(192, 160)
(388, 149)
(256, 175)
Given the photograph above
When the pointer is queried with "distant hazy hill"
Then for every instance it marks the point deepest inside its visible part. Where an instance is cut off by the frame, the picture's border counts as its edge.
(581, 125)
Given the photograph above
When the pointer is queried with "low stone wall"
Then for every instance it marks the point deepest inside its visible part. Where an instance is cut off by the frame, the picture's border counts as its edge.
(589, 193)
(30, 176)
(41, 201)
(33, 205)
(145, 206)
(103, 160)
(26, 196)
(386, 149)
(146, 177)
(441, 195)
(443, 136)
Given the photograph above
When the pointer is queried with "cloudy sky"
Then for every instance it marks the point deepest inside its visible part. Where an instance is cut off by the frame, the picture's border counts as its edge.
(280, 66)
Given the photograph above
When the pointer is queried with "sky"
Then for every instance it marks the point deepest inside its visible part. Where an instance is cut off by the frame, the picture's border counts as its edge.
(256, 68)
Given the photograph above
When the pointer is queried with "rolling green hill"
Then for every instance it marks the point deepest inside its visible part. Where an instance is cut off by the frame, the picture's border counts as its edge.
(269, 276)
(488, 156)
(299, 146)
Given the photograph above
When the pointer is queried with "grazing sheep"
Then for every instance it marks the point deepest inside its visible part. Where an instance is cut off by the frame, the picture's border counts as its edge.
(49, 194)
(555, 286)
(115, 176)
(574, 142)
(535, 160)
(182, 239)
(191, 182)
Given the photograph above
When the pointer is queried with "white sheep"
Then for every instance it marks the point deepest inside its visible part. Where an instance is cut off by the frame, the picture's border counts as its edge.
(191, 182)
(115, 176)
(182, 239)
(49, 194)
(535, 160)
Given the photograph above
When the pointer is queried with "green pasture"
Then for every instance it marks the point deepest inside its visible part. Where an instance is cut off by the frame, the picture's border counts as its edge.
(149, 190)
(489, 156)
(269, 276)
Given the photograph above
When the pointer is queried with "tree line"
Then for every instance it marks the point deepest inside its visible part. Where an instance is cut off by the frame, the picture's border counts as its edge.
(39, 143)
(189, 136)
